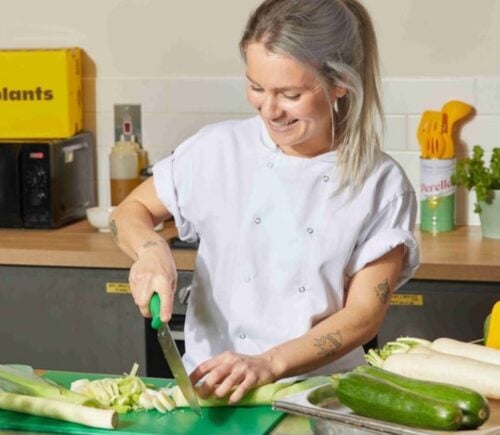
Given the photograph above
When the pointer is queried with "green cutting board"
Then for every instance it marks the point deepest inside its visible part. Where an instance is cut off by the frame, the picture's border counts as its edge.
(217, 421)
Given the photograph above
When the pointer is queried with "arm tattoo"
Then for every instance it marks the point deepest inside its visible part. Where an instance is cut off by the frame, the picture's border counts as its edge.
(114, 230)
(329, 344)
(383, 292)
(149, 244)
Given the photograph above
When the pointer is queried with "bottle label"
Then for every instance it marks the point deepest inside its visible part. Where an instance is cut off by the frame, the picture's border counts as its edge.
(435, 177)
(437, 195)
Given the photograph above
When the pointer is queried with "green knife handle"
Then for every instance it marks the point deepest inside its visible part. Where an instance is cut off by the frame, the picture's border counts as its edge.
(154, 307)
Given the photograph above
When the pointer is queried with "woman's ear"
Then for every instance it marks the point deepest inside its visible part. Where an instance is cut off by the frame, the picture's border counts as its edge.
(339, 92)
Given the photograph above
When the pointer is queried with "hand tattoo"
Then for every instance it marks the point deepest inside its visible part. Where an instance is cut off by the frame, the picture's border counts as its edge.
(329, 344)
(382, 290)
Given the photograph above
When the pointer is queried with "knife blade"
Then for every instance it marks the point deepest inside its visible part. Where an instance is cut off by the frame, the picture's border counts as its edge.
(172, 355)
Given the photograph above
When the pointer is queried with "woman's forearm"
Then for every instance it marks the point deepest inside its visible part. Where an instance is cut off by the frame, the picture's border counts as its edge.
(326, 342)
(368, 297)
(132, 227)
(132, 222)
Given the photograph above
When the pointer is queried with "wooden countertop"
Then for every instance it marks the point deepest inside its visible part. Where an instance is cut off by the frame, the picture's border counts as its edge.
(459, 255)
(75, 245)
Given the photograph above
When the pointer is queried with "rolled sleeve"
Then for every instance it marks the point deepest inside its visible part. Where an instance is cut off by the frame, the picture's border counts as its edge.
(392, 227)
(173, 193)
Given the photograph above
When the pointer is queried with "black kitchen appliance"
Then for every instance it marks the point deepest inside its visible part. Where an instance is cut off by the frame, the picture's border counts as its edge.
(46, 183)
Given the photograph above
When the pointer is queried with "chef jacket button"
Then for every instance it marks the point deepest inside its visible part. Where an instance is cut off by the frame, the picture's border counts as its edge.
(257, 220)
(310, 230)
(248, 279)
(326, 178)
(302, 289)
(270, 164)
(243, 336)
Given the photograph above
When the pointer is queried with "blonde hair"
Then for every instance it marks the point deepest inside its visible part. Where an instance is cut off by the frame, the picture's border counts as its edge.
(336, 38)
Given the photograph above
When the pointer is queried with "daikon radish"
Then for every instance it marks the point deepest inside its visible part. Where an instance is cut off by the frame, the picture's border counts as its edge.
(422, 349)
(469, 350)
(452, 369)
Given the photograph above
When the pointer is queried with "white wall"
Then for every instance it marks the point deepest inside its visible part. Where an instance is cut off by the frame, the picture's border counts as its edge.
(180, 61)
(158, 38)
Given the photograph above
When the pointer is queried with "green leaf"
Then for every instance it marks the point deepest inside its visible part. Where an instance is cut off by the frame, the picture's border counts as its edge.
(473, 174)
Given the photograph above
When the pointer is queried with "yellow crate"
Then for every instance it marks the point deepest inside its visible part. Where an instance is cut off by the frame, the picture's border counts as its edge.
(40, 93)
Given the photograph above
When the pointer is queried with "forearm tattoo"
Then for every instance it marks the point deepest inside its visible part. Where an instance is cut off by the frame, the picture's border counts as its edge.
(383, 291)
(328, 344)
(150, 244)
(114, 230)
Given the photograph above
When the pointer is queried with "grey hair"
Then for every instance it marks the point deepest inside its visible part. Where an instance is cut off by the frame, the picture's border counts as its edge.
(337, 39)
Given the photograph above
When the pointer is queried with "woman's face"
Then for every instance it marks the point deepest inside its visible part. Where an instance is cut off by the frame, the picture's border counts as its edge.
(291, 102)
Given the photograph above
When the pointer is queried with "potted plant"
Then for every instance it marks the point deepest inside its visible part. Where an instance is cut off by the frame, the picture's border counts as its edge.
(473, 174)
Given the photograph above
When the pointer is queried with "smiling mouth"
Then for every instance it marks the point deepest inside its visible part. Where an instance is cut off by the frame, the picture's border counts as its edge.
(281, 125)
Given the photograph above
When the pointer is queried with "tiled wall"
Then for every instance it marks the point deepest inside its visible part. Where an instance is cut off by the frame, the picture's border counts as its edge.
(174, 108)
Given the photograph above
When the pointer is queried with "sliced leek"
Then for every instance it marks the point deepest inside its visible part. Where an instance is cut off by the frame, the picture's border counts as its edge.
(121, 394)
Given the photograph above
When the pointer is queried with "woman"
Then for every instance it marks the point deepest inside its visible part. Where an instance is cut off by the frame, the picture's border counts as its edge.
(305, 227)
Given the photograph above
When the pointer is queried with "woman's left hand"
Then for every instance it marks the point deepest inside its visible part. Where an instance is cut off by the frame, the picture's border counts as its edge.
(232, 373)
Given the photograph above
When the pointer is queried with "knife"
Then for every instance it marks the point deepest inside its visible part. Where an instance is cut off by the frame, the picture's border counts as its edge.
(172, 355)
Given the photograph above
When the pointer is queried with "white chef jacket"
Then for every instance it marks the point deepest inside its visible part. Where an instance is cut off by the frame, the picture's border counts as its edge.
(276, 245)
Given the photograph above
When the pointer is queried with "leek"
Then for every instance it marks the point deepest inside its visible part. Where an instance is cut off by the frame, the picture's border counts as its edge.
(74, 413)
(298, 387)
(22, 380)
(264, 395)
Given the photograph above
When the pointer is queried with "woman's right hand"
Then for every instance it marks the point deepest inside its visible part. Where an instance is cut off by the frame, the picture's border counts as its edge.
(154, 271)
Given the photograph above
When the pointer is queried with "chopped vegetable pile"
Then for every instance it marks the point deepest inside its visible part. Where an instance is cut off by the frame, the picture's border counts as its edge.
(130, 393)
(121, 394)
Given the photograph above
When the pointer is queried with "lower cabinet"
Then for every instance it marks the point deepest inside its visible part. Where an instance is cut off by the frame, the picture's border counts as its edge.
(64, 319)
(431, 309)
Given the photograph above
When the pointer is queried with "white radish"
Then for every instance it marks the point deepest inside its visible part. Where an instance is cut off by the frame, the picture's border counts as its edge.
(451, 369)
(469, 350)
(422, 350)
(42, 407)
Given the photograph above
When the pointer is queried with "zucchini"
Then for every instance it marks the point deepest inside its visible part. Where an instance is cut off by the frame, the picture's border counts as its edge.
(373, 397)
(474, 405)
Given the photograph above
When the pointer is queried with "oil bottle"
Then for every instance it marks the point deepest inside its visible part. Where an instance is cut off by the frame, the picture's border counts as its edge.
(124, 169)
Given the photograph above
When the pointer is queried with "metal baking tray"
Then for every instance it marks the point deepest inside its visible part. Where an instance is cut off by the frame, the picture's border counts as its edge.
(331, 417)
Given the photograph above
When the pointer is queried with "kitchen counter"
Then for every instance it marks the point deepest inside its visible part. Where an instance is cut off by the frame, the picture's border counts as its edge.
(75, 245)
(459, 255)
